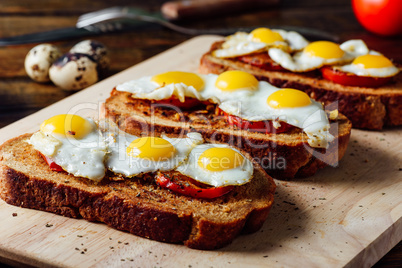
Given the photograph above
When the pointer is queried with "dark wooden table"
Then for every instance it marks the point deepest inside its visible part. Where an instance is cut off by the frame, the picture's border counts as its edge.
(20, 96)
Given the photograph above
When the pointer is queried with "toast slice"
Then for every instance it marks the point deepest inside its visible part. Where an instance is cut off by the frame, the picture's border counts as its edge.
(136, 205)
(367, 108)
(284, 156)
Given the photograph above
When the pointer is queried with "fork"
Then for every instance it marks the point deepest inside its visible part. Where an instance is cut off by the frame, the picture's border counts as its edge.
(117, 18)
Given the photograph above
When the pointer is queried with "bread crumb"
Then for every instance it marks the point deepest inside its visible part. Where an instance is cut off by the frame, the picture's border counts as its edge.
(333, 115)
(226, 209)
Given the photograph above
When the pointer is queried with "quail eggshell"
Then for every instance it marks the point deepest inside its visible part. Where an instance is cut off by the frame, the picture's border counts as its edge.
(38, 61)
(97, 50)
(74, 71)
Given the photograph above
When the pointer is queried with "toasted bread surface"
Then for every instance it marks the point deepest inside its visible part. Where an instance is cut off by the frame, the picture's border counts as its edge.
(367, 108)
(136, 205)
(284, 156)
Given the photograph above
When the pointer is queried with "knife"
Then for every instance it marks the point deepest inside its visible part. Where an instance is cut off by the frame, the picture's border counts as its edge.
(120, 19)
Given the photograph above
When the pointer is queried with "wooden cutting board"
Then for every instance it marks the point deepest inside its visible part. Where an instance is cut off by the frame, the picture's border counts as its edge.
(344, 216)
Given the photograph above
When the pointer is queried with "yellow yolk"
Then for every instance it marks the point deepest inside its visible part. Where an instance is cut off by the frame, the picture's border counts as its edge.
(175, 77)
(67, 125)
(288, 98)
(235, 80)
(265, 35)
(324, 49)
(372, 61)
(218, 159)
(151, 148)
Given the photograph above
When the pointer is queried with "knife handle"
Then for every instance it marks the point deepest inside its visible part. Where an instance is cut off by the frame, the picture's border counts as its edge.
(186, 9)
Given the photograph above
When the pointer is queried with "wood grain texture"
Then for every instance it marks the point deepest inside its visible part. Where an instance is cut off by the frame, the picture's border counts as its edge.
(346, 216)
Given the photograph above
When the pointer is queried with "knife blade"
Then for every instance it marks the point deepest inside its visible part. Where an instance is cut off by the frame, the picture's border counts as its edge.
(58, 34)
(82, 31)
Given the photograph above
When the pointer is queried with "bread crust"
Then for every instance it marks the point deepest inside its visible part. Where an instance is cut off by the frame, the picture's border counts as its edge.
(284, 156)
(135, 205)
(367, 108)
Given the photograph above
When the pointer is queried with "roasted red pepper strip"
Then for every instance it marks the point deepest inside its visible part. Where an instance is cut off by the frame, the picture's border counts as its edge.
(259, 126)
(349, 79)
(191, 190)
(52, 165)
(189, 102)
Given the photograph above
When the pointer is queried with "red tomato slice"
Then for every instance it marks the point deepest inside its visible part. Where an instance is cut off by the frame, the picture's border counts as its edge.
(262, 61)
(177, 183)
(349, 79)
(259, 126)
(52, 165)
(189, 102)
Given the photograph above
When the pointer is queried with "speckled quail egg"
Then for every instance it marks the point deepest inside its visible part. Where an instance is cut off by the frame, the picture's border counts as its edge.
(38, 61)
(74, 71)
(97, 50)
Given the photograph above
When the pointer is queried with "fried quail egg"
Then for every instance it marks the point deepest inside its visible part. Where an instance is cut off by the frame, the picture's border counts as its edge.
(74, 143)
(259, 40)
(284, 105)
(371, 65)
(231, 85)
(217, 165)
(313, 56)
(131, 155)
(165, 85)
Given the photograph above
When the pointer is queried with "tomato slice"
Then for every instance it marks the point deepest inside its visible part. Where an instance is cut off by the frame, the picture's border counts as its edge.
(181, 184)
(266, 126)
(262, 61)
(52, 165)
(189, 102)
(349, 79)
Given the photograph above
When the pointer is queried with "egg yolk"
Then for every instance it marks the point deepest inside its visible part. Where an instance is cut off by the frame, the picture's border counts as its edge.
(69, 125)
(324, 49)
(235, 80)
(175, 77)
(265, 35)
(151, 148)
(218, 159)
(288, 98)
(372, 61)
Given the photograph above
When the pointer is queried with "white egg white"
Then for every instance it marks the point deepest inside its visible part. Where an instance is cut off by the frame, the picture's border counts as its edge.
(235, 176)
(355, 47)
(80, 157)
(145, 88)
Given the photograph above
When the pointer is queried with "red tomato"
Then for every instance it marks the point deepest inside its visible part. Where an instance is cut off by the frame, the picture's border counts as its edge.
(52, 165)
(383, 17)
(259, 126)
(189, 102)
(175, 184)
(349, 79)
